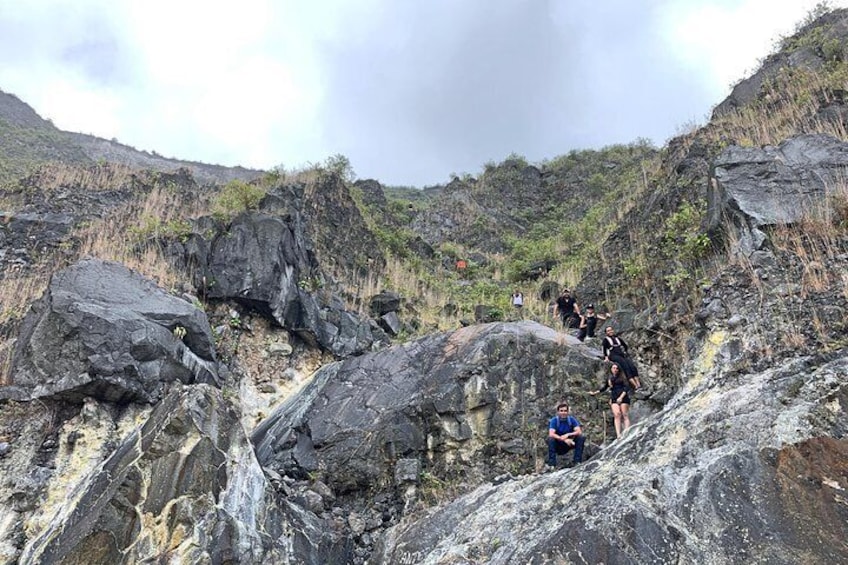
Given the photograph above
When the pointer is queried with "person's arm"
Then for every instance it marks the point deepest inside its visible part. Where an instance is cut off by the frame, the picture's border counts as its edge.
(582, 322)
(621, 396)
(602, 389)
(624, 347)
(605, 347)
(552, 432)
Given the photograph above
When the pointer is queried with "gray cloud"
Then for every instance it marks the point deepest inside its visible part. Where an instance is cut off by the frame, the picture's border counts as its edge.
(409, 91)
(452, 86)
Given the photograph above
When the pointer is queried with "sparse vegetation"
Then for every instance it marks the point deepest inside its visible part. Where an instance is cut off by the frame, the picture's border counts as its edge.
(237, 196)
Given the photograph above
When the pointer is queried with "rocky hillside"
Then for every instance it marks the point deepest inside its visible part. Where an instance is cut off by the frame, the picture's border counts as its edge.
(27, 141)
(206, 374)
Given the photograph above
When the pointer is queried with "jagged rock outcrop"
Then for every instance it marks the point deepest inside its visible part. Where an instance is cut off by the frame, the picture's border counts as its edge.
(737, 467)
(266, 262)
(756, 187)
(101, 330)
(183, 486)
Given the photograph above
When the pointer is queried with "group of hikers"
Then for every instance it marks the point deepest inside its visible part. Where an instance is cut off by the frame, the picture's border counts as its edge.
(564, 430)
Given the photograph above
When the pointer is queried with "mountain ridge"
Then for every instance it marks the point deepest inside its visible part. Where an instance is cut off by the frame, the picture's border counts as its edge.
(384, 421)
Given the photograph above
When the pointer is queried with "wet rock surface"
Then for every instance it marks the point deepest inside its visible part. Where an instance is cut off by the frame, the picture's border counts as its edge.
(184, 483)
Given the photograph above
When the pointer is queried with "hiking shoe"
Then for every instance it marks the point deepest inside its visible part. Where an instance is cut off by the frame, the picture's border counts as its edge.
(548, 468)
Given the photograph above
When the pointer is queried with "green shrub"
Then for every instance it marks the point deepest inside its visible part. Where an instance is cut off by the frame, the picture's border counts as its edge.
(236, 197)
(150, 228)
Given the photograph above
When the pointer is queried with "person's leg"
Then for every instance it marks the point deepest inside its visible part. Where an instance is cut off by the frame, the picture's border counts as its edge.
(616, 416)
(632, 371)
(623, 363)
(581, 334)
(625, 416)
(579, 442)
(551, 452)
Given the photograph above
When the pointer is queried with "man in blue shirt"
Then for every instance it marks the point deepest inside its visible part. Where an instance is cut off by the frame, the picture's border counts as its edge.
(564, 434)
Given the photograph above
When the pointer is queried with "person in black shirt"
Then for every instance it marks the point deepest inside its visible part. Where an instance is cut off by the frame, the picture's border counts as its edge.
(615, 351)
(589, 321)
(617, 384)
(567, 308)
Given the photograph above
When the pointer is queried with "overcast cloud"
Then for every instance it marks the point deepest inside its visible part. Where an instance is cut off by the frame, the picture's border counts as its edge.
(410, 91)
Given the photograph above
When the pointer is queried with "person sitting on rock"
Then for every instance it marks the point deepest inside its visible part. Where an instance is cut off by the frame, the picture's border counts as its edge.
(589, 321)
(566, 307)
(617, 384)
(564, 434)
(616, 351)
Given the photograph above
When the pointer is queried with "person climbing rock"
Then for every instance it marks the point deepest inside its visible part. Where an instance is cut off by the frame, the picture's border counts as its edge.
(616, 351)
(564, 434)
(566, 307)
(589, 321)
(617, 384)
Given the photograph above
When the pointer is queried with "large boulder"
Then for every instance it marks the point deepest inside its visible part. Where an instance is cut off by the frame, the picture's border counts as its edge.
(467, 405)
(185, 484)
(104, 331)
(385, 302)
(737, 468)
(756, 187)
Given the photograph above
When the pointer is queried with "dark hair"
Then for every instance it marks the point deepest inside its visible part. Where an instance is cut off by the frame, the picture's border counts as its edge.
(561, 404)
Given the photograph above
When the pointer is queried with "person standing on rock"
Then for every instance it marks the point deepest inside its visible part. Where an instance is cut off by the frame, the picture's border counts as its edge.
(566, 307)
(517, 301)
(564, 434)
(617, 384)
(616, 351)
(589, 321)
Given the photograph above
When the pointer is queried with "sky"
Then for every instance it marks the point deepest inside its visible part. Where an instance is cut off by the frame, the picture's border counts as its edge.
(411, 91)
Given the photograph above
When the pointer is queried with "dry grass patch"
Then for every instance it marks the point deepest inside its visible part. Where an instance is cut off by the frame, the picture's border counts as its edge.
(788, 105)
(817, 238)
(131, 235)
(99, 177)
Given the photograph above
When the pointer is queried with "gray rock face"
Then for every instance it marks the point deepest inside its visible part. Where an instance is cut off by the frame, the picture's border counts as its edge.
(185, 484)
(103, 331)
(737, 468)
(774, 185)
(447, 400)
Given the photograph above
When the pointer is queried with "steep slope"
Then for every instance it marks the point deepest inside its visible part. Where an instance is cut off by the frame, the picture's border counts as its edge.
(27, 141)
(669, 251)
(728, 273)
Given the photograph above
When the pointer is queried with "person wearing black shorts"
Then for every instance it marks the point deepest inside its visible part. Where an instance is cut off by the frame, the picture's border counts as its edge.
(619, 388)
(588, 321)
